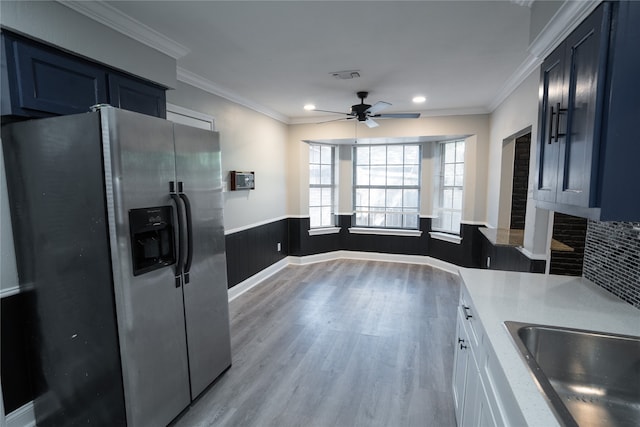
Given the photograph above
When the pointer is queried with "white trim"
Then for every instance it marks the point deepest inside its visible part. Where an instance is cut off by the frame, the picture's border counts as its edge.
(200, 82)
(256, 279)
(531, 255)
(446, 237)
(565, 20)
(485, 224)
(256, 224)
(116, 20)
(176, 109)
(24, 416)
(9, 291)
(324, 230)
(385, 231)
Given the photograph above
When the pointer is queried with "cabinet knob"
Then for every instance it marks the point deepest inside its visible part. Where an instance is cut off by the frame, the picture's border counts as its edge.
(467, 312)
(462, 346)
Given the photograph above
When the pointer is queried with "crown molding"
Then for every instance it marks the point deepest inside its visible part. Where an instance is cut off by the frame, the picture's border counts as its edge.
(566, 19)
(200, 82)
(111, 17)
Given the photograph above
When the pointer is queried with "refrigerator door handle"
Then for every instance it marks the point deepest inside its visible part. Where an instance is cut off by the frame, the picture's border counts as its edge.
(187, 210)
(173, 193)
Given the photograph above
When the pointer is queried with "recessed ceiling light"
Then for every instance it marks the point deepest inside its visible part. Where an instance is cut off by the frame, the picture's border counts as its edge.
(309, 107)
(419, 99)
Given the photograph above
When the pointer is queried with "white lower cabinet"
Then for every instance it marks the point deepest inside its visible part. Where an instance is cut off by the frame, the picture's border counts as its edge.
(480, 400)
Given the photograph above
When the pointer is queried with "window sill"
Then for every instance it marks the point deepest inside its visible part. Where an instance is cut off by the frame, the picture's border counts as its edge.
(451, 238)
(385, 231)
(324, 230)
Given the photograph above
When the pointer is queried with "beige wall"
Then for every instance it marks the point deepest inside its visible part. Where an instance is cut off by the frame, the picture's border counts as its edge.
(474, 209)
(249, 141)
(517, 112)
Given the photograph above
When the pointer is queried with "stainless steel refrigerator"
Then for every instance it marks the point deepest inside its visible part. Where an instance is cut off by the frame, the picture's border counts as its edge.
(117, 220)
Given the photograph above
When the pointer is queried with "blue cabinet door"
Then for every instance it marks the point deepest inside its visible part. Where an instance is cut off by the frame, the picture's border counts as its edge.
(47, 81)
(585, 71)
(131, 94)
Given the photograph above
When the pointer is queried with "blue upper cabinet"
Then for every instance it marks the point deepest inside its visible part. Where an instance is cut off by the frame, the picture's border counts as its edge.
(43, 81)
(577, 156)
(134, 95)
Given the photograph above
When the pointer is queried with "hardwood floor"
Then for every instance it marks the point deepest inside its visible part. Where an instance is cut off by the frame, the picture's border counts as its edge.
(339, 343)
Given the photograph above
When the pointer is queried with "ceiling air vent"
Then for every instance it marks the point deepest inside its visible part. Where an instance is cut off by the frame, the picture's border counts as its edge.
(346, 75)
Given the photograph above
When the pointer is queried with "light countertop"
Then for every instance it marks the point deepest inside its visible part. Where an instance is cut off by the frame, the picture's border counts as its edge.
(513, 237)
(543, 299)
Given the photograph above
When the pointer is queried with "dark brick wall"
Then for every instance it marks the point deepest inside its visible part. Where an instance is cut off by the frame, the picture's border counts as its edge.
(612, 258)
(571, 231)
(520, 181)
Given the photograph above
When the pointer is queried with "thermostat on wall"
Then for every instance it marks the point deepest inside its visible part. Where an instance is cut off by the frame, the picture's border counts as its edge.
(242, 180)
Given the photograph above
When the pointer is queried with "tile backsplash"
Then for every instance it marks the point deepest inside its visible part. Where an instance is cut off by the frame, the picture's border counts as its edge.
(612, 258)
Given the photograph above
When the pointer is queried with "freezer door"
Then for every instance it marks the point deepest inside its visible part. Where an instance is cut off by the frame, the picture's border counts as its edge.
(205, 294)
(139, 163)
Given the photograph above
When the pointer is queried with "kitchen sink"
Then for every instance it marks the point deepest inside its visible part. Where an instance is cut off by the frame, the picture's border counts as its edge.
(589, 378)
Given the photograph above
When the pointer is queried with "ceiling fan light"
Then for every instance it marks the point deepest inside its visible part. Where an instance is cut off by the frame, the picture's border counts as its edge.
(309, 107)
(419, 99)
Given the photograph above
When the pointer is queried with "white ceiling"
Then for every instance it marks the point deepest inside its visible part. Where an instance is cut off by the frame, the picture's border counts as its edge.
(278, 55)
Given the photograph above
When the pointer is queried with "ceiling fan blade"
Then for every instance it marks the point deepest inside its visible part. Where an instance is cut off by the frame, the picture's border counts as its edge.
(334, 120)
(334, 112)
(378, 106)
(371, 123)
(398, 116)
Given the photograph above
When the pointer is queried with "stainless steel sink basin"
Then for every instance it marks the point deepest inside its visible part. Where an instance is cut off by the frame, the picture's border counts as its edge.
(589, 378)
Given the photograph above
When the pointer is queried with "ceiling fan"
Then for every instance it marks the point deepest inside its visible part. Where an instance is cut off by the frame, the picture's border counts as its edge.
(365, 112)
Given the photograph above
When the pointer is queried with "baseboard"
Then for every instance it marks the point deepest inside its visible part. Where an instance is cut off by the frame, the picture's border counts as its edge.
(257, 278)
(24, 416)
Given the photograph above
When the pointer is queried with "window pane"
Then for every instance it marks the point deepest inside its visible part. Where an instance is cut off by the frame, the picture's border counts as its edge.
(327, 197)
(362, 197)
(447, 198)
(362, 175)
(394, 220)
(378, 175)
(362, 155)
(395, 154)
(411, 198)
(449, 153)
(445, 220)
(459, 175)
(455, 222)
(376, 219)
(325, 155)
(377, 198)
(394, 199)
(379, 155)
(314, 174)
(394, 175)
(411, 175)
(314, 154)
(449, 174)
(457, 198)
(411, 155)
(362, 219)
(460, 152)
(315, 217)
(411, 221)
(326, 216)
(315, 196)
(325, 174)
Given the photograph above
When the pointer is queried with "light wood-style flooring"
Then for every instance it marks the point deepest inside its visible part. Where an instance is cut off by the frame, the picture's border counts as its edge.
(338, 343)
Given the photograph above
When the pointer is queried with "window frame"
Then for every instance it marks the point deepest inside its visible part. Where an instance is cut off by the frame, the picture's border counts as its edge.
(441, 187)
(403, 212)
(332, 187)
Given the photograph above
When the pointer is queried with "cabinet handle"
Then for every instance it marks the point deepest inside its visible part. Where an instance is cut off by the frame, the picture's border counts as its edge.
(467, 314)
(551, 126)
(462, 347)
(558, 112)
(460, 340)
